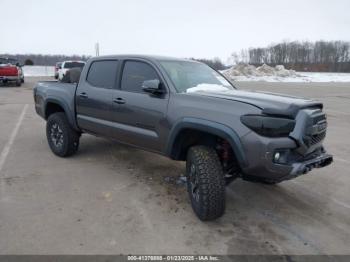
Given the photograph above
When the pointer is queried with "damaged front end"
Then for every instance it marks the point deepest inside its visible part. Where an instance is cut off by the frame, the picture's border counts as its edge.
(278, 158)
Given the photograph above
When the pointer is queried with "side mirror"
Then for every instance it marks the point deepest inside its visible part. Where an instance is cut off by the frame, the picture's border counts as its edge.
(152, 86)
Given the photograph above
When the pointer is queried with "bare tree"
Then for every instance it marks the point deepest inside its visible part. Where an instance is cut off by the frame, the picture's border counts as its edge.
(312, 56)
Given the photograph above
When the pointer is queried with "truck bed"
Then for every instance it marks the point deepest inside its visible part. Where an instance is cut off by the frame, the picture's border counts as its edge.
(53, 91)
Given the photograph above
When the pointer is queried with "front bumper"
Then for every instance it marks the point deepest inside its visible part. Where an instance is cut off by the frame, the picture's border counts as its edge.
(261, 164)
(300, 168)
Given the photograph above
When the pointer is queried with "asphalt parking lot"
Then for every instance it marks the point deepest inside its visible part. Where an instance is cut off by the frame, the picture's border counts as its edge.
(113, 199)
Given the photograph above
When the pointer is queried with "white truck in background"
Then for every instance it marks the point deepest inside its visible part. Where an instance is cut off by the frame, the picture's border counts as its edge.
(66, 65)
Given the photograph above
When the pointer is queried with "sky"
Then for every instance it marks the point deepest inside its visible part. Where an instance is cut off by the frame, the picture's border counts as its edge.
(179, 28)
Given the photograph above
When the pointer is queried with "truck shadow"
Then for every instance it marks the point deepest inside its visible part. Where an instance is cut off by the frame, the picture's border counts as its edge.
(9, 85)
(263, 216)
(156, 170)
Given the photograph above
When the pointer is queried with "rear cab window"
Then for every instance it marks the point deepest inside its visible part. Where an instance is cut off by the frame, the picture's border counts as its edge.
(73, 64)
(102, 73)
(135, 73)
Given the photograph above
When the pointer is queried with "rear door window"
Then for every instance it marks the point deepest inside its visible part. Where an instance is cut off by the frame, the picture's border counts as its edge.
(135, 73)
(103, 73)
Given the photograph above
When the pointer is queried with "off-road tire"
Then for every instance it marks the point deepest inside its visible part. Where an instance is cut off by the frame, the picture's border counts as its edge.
(203, 168)
(69, 142)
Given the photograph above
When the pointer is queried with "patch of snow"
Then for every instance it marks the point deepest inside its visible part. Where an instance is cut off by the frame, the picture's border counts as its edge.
(266, 70)
(242, 70)
(324, 77)
(38, 70)
(265, 73)
(302, 77)
(207, 87)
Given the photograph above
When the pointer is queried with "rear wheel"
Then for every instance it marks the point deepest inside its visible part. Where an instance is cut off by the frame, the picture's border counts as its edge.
(18, 82)
(205, 182)
(62, 138)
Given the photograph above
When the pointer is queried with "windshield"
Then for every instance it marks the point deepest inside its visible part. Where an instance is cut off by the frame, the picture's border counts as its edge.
(73, 64)
(190, 76)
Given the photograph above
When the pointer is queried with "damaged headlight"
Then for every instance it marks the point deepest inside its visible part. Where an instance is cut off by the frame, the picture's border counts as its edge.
(268, 126)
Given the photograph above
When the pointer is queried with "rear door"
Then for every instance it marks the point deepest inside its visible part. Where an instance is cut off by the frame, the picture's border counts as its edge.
(94, 97)
(140, 118)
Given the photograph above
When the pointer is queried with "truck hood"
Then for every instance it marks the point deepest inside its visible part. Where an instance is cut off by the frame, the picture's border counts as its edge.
(269, 103)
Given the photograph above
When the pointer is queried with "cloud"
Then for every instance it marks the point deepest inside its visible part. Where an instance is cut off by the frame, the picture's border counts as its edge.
(179, 28)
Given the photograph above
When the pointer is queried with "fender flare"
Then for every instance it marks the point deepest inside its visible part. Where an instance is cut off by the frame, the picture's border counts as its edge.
(210, 127)
(65, 108)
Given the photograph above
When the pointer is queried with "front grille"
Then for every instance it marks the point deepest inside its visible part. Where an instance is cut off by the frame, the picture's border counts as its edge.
(314, 139)
(318, 118)
(310, 130)
(316, 131)
(317, 138)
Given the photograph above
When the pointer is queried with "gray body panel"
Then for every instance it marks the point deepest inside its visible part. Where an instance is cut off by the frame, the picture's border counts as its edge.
(152, 122)
(62, 94)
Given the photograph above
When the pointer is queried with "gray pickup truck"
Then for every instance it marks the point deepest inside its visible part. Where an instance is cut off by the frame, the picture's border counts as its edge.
(188, 112)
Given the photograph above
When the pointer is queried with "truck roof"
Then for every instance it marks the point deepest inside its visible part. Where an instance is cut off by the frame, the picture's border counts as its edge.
(147, 57)
(71, 61)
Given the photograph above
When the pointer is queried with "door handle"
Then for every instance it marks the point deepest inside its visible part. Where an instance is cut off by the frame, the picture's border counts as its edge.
(83, 95)
(119, 100)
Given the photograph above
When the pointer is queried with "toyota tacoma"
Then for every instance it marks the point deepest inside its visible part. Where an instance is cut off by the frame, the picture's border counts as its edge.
(189, 112)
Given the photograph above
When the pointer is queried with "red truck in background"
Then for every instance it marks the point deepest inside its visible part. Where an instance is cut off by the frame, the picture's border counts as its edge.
(11, 71)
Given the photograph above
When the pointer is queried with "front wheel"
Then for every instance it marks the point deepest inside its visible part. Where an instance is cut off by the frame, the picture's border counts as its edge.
(205, 182)
(62, 138)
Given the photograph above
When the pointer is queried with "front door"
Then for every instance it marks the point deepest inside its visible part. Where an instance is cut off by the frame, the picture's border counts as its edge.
(140, 118)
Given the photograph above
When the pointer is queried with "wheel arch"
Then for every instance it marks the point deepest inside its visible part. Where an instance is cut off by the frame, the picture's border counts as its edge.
(207, 127)
(53, 106)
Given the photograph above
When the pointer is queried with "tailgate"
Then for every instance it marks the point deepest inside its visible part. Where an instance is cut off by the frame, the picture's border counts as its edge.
(8, 71)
